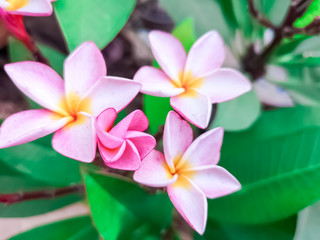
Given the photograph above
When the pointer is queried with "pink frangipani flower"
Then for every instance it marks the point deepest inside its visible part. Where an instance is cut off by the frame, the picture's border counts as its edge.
(124, 145)
(27, 7)
(71, 105)
(192, 82)
(188, 170)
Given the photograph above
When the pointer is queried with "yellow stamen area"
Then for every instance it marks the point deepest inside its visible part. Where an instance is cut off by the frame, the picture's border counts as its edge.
(181, 169)
(72, 105)
(189, 83)
(16, 4)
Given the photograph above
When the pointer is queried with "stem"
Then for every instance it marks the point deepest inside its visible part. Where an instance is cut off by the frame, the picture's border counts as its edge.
(254, 63)
(37, 54)
(13, 198)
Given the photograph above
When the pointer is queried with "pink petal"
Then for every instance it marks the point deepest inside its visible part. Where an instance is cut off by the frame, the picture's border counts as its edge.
(39, 82)
(77, 140)
(177, 137)
(104, 122)
(130, 159)
(29, 125)
(156, 83)
(83, 68)
(169, 53)
(224, 84)
(112, 92)
(190, 202)
(271, 94)
(206, 54)
(135, 121)
(154, 172)
(195, 107)
(35, 8)
(205, 149)
(143, 142)
(111, 155)
(215, 181)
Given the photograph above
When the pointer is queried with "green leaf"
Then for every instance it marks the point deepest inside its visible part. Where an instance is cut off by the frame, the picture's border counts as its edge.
(279, 172)
(312, 12)
(282, 230)
(118, 207)
(99, 21)
(239, 113)
(16, 182)
(206, 14)
(276, 123)
(38, 160)
(156, 108)
(79, 228)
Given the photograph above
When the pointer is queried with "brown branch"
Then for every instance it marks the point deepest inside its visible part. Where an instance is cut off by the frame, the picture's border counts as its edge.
(13, 198)
(253, 62)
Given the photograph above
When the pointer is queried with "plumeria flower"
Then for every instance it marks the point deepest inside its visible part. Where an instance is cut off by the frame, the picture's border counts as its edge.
(192, 82)
(188, 170)
(71, 105)
(27, 7)
(124, 145)
(267, 87)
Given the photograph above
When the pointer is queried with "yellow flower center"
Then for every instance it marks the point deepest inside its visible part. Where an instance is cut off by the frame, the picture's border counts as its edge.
(189, 83)
(182, 169)
(72, 105)
(16, 4)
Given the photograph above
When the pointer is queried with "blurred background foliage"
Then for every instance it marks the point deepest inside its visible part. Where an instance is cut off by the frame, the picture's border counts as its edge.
(274, 152)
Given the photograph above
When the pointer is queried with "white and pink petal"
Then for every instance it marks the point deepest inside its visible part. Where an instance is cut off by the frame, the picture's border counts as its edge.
(154, 171)
(77, 140)
(193, 106)
(206, 54)
(156, 83)
(214, 181)
(177, 137)
(29, 125)
(205, 149)
(35, 8)
(224, 84)
(143, 142)
(169, 53)
(39, 82)
(190, 202)
(112, 92)
(83, 68)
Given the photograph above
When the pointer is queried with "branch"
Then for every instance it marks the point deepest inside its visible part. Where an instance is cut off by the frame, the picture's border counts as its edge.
(13, 198)
(258, 16)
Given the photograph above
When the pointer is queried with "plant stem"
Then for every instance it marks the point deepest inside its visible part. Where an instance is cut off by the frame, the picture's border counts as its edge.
(254, 63)
(14, 198)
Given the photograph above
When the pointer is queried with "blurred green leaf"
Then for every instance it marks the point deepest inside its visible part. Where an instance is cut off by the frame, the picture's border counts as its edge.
(156, 108)
(119, 207)
(275, 123)
(239, 113)
(38, 160)
(79, 228)
(281, 230)
(206, 14)
(312, 12)
(14, 181)
(99, 21)
(279, 173)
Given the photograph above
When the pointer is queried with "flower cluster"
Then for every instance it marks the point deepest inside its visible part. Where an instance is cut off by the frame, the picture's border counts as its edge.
(81, 111)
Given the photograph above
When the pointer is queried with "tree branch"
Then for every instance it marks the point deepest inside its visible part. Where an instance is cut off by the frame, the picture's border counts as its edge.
(13, 198)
